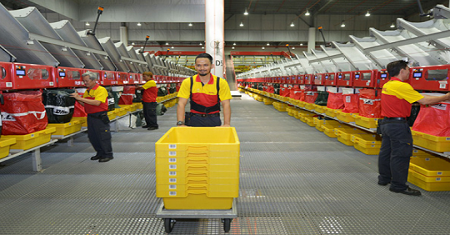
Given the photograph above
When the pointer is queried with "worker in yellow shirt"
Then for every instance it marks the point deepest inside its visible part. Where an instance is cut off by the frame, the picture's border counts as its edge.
(206, 92)
(149, 101)
(95, 102)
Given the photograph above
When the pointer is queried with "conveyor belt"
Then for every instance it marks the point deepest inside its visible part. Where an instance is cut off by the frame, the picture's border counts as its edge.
(294, 180)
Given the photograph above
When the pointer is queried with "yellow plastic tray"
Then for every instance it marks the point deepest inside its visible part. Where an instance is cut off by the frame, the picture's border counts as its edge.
(419, 180)
(139, 105)
(5, 145)
(82, 120)
(344, 134)
(431, 142)
(28, 141)
(197, 202)
(373, 150)
(210, 190)
(366, 140)
(310, 106)
(331, 112)
(418, 152)
(365, 121)
(320, 109)
(328, 128)
(431, 167)
(308, 120)
(63, 129)
(345, 117)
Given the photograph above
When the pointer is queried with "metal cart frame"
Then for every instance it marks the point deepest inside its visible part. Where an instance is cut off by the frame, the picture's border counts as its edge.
(169, 216)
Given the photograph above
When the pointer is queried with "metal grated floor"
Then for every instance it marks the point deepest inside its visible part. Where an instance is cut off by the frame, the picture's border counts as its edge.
(294, 180)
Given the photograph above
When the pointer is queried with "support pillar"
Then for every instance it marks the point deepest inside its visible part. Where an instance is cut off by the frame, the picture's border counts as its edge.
(311, 39)
(124, 34)
(214, 35)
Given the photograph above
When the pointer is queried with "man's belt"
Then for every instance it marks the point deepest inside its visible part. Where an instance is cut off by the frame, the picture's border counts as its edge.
(206, 115)
(395, 118)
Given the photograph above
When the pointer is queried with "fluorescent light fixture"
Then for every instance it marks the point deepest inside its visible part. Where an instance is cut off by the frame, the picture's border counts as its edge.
(139, 24)
(368, 13)
(292, 24)
(241, 24)
(307, 13)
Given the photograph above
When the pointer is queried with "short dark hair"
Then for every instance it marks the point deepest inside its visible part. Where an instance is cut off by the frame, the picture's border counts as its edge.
(204, 55)
(394, 68)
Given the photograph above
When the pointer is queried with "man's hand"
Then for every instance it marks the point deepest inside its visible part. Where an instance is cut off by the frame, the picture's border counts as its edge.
(226, 125)
(75, 95)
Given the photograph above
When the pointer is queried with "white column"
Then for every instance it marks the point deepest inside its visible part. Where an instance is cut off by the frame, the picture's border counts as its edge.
(214, 35)
(311, 39)
(124, 35)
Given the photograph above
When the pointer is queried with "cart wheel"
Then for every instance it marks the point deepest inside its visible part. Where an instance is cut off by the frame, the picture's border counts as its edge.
(226, 225)
(169, 224)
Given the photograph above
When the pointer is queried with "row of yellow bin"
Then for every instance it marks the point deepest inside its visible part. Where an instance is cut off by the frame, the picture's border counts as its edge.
(427, 171)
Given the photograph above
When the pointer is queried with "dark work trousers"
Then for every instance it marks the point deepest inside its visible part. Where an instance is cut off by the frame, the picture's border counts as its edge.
(99, 135)
(207, 121)
(396, 150)
(150, 113)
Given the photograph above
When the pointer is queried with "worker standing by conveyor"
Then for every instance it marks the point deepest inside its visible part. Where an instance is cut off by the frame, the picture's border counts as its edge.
(95, 102)
(397, 143)
(206, 91)
(149, 101)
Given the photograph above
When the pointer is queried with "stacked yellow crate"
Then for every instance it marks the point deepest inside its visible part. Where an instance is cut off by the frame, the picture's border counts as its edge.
(198, 168)
(365, 121)
(431, 142)
(28, 141)
(4, 146)
(367, 143)
(430, 173)
(68, 128)
(345, 133)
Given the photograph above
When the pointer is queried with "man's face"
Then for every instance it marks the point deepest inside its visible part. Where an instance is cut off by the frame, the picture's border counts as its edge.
(405, 72)
(203, 66)
(88, 82)
(147, 78)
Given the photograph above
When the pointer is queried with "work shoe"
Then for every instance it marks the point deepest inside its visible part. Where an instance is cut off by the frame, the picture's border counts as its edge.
(409, 191)
(152, 128)
(106, 159)
(145, 126)
(95, 158)
(383, 183)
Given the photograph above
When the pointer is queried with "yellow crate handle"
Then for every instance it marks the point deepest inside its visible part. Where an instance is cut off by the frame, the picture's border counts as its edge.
(196, 174)
(197, 148)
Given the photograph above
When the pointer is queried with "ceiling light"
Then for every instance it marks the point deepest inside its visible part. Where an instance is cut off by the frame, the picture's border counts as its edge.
(132, 43)
(234, 44)
(392, 25)
(268, 44)
(139, 24)
(343, 24)
(245, 12)
(292, 24)
(201, 44)
(167, 43)
(172, 47)
(232, 48)
(368, 13)
(242, 24)
(301, 44)
(263, 48)
(87, 24)
(293, 48)
(307, 13)
(190, 24)
(203, 47)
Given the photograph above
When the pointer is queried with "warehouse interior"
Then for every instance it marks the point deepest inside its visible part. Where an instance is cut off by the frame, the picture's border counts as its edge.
(297, 173)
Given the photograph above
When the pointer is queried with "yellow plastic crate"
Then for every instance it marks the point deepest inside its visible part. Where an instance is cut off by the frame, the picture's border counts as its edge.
(345, 117)
(310, 106)
(211, 190)
(197, 202)
(331, 112)
(365, 121)
(301, 104)
(424, 183)
(344, 134)
(28, 141)
(309, 120)
(418, 153)
(320, 109)
(5, 145)
(328, 128)
(368, 151)
(128, 108)
(431, 167)
(366, 140)
(82, 120)
(168, 179)
(267, 101)
(431, 142)
(112, 114)
(63, 129)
